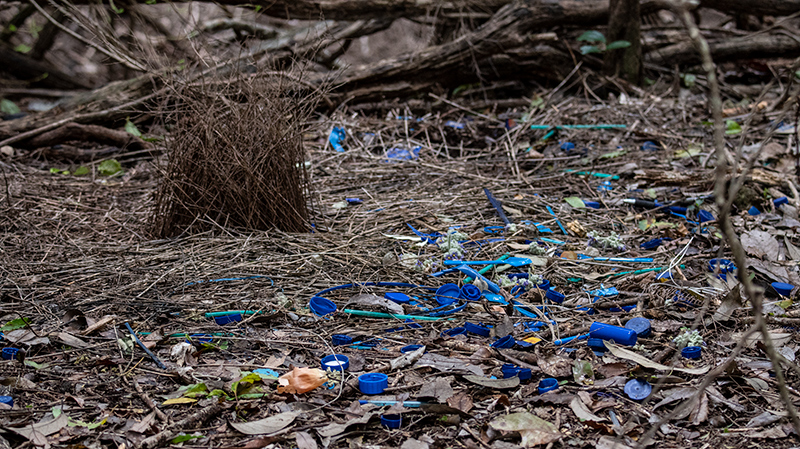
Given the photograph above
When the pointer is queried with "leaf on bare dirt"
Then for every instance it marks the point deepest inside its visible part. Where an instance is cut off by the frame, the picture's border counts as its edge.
(582, 411)
(305, 441)
(731, 302)
(333, 429)
(447, 364)
(35, 431)
(677, 394)
(764, 419)
(461, 401)
(608, 370)
(533, 430)
(778, 338)
(556, 366)
(791, 250)
(412, 443)
(760, 244)
(439, 389)
(774, 433)
(144, 425)
(717, 398)
(272, 424)
(647, 363)
(499, 384)
(699, 414)
(606, 442)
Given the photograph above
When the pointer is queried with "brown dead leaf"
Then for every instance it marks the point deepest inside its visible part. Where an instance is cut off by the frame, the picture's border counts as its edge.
(439, 389)
(556, 366)
(533, 430)
(608, 370)
(761, 244)
(699, 414)
(461, 401)
(305, 441)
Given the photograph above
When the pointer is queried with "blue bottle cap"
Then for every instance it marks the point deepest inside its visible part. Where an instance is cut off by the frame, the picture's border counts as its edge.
(321, 306)
(692, 352)
(373, 383)
(409, 348)
(454, 331)
(567, 146)
(638, 389)
(226, 319)
(470, 292)
(753, 211)
(391, 421)
(704, 216)
(649, 146)
(341, 339)
(725, 265)
(397, 297)
(335, 362)
(652, 244)
(617, 334)
(504, 343)
(447, 294)
(779, 201)
(8, 400)
(510, 370)
(547, 384)
(199, 338)
(783, 288)
(476, 329)
(544, 285)
(10, 353)
(640, 325)
(554, 296)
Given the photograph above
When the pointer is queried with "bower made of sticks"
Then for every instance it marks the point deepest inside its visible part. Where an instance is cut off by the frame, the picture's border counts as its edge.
(236, 158)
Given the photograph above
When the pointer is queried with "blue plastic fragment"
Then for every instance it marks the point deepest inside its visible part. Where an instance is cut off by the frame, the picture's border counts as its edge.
(453, 124)
(397, 297)
(640, 325)
(510, 370)
(504, 343)
(336, 138)
(409, 348)
(447, 294)
(554, 296)
(725, 265)
(780, 201)
(592, 204)
(605, 292)
(567, 146)
(653, 244)
(650, 146)
(341, 339)
(7, 400)
(226, 319)
(783, 288)
(402, 154)
(605, 186)
(704, 216)
(454, 331)
(354, 200)
(321, 306)
(477, 329)
(753, 211)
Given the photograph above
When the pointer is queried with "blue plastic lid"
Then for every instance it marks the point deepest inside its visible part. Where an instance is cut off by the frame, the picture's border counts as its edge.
(8, 400)
(547, 384)
(638, 389)
(10, 353)
(373, 383)
(510, 370)
(753, 211)
(618, 334)
(409, 348)
(640, 325)
(225, 319)
(783, 288)
(566, 146)
(447, 294)
(454, 331)
(341, 339)
(649, 146)
(692, 352)
(554, 296)
(476, 329)
(199, 338)
(504, 343)
(391, 421)
(704, 216)
(321, 306)
(779, 201)
(725, 265)
(470, 292)
(397, 297)
(335, 362)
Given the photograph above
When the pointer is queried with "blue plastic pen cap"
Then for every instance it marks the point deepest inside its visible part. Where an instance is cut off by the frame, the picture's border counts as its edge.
(783, 288)
(640, 325)
(617, 334)
(547, 384)
(373, 383)
(447, 294)
(321, 306)
(638, 389)
(470, 292)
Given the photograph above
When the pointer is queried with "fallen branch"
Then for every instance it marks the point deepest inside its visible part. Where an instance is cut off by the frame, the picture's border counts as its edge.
(89, 133)
(161, 438)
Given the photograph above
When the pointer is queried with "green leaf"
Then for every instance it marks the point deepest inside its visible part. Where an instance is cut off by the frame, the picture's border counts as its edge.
(689, 80)
(81, 171)
(18, 323)
(130, 128)
(109, 167)
(648, 81)
(88, 425)
(36, 366)
(258, 8)
(22, 48)
(183, 438)
(153, 139)
(114, 7)
(8, 107)
(586, 49)
(592, 36)
(56, 411)
(196, 390)
(12, 28)
(150, 2)
(54, 170)
(618, 44)
(732, 127)
(575, 202)
(613, 154)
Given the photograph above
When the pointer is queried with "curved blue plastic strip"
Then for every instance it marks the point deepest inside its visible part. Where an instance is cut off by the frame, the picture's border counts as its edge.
(475, 275)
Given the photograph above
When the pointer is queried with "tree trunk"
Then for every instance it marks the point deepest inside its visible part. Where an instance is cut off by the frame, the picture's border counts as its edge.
(624, 24)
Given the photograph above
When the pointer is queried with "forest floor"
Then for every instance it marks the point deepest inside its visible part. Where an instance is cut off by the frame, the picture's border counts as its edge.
(77, 264)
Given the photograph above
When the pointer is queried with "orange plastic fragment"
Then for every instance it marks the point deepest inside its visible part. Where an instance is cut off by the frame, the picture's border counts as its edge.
(301, 380)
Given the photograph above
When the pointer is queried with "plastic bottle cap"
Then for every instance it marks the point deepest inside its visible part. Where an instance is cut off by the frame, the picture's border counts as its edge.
(341, 339)
(692, 352)
(547, 384)
(10, 353)
(640, 325)
(447, 294)
(778, 201)
(321, 306)
(544, 285)
(225, 319)
(397, 297)
(391, 421)
(618, 334)
(554, 296)
(476, 329)
(753, 211)
(335, 362)
(454, 331)
(409, 348)
(504, 343)
(373, 383)
(199, 338)
(638, 389)
(510, 370)
(782, 288)
(470, 292)
(8, 400)
(725, 265)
